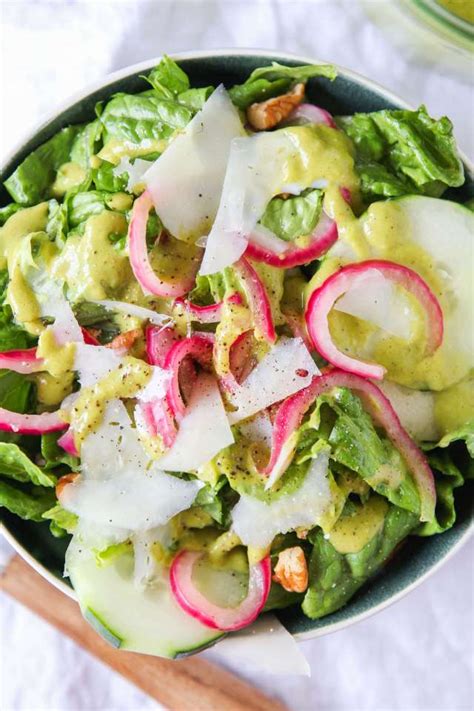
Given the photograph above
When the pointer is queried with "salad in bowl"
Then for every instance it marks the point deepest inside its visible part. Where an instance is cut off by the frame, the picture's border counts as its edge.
(236, 350)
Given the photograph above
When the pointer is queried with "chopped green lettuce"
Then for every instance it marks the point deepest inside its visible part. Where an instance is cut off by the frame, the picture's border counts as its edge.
(357, 445)
(401, 152)
(29, 503)
(448, 477)
(15, 464)
(168, 79)
(8, 211)
(334, 577)
(12, 337)
(61, 521)
(275, 79)
(294, 217)
(104, 178)
(142, 119)
(33, 180)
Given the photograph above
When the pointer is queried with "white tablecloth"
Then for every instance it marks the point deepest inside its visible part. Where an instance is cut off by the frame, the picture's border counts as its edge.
(416, 655)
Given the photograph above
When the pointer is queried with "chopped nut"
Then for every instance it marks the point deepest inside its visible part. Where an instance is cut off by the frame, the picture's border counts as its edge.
(291, 571)
(64, 481)
(302, 533)
(124, 341)
(267, 114)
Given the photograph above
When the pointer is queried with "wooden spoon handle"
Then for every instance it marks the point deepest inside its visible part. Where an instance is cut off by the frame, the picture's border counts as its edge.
(185, 685)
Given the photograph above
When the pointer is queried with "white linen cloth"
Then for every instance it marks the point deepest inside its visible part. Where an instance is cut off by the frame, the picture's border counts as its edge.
(414, 656)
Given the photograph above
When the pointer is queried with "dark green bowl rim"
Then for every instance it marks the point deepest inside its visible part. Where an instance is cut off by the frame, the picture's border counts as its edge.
(424, 556)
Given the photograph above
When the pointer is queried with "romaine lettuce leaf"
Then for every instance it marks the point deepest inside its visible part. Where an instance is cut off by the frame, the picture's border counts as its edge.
(15, 464)
(33, 180)
(195, 99)
(142, 119)
(294, 217)
(357, 445)
(8, 211)
(12, 337)
(334, 577)
(61, 521)
(168, 79)
(448, 477)
(83, 205)
(404, 152)
(30, 503)
(104, 178)
(275, 79)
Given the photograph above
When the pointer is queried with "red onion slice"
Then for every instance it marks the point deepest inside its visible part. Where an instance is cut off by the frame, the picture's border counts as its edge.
(199, 347)
(21, 361)
(258, 301)
(30, 424)
(66, 441)
(322, 238)
(139, 260)
(206, 314)
(309, 113)
(198, 606)
(323, 299)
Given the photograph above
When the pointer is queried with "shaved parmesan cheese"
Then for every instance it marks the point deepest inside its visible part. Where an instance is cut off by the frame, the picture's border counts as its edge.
(137, 311)
(415, 409)
(204, 429)
(119, 485)
(377, 300)
(287, 368)
(94, 362)
(156, 386)
(259, 168)
(257, 523)
(53, 304)
(185, 182)
(258, 429)
(265, 646)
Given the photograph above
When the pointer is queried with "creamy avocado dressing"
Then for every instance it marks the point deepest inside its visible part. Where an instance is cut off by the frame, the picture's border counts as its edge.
(90, 264)
(384, 232)
(461, 8)
(454, 407)
(115, 149)
(352, 533)
(51, 390)
(13, 234)
(124, 382)
(70, 175)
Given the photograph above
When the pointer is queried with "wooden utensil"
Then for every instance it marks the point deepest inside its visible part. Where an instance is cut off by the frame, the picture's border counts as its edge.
(187, 685)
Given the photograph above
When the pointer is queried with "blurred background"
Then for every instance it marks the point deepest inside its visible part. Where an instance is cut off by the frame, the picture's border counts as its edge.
(418, 654)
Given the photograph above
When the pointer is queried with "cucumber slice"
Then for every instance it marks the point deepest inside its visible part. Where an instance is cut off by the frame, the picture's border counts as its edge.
(147, 621)
(436, 239)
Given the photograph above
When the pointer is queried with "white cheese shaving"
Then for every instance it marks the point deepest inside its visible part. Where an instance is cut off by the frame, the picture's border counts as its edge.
(257, 170)
(94, 362)
(257, 523)
(287, 368)
(203, 431)
(137, 311)
(415, 408)
(119, 485)
(376, 299)
(185, 182)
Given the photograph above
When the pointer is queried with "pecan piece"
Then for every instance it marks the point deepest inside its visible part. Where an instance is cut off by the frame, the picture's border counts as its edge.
(65, 481)
(124, 341)
(291, 570)
(267, 114)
